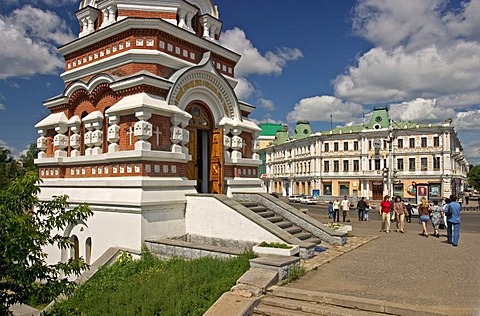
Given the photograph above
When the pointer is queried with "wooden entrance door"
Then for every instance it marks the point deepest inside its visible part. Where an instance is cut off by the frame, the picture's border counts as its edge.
(206, 148)
(216, 162)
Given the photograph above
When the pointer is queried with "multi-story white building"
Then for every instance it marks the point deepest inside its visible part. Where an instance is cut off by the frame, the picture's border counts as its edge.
(370, 160)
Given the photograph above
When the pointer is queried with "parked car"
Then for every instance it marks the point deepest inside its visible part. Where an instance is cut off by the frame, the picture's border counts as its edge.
(292, 198)
(308, 200)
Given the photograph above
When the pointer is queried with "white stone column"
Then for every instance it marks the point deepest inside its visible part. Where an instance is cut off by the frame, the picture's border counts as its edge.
(227, 142)
(113, 133)
(105, 20)
(255, 146)
(74, 125)
(42, 144)
(177, 132)
(143, 130)
(94, 136)
(237, 143)
(60, 141)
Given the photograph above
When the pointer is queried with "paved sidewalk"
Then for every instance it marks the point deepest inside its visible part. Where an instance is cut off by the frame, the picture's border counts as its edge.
(401, 268)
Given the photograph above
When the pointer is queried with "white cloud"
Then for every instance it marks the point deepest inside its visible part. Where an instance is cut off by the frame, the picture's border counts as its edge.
(424, 49)
(252, 61)
(29, 39)
(2, 106)
(267, 119)
(471, 151)
(267, 105)
(244, 89)
(420, 110)
(319, 109)
(467, 121)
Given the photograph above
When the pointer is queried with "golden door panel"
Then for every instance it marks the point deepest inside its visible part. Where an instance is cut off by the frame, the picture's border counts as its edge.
(216, 162)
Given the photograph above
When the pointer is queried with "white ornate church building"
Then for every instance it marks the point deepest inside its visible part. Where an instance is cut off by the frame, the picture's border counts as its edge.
(147, 118)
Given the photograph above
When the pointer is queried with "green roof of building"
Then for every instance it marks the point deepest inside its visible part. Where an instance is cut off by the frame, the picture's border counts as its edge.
(270, 129)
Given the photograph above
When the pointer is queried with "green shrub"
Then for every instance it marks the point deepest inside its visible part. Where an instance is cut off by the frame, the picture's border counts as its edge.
(151, 286)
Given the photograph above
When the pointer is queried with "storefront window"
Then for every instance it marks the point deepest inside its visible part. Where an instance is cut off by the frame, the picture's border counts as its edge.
(434, 190)
(344, 190)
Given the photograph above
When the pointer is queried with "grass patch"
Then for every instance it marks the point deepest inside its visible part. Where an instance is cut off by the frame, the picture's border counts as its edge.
(151, 286)
(274, 245)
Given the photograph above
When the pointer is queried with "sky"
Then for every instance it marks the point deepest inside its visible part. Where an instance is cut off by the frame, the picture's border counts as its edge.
(326, 61)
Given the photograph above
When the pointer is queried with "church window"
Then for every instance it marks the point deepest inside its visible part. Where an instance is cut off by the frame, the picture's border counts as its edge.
(185, 53)
(74, 251)
(90, 57)
(79, 62)
(69, 65)
(129, 169)
(137, 168)
(115, 169)
(107, 51)
(150, 42)
(94, 171)
(177, 50)
(218, 65)
(84, 60)
(122, 169)
(83, 171)
(120, 46)
(224, 68)
(95, 56)
(162, 44)
(127, 44)
(102, 53)
(105, 170)
(229, 70)
(148, 168)
(88, 250)
(165, 168)
(157, 168)
(192, 56)
(170, 47)
(74, 63)
(114, 48)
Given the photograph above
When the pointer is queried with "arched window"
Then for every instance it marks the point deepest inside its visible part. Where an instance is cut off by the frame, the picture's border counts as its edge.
(74, 250)
(88, 250)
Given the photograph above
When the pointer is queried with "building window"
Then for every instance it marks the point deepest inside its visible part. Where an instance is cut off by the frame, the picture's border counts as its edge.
(424, 142)
(344, 189)
(400, 164)
(356, 165)
(377, 164)
(411, 142)
(326, 147)
(400, 143)
(355, 145)
(326, 166)
(424, 164)
(411, 164)
(327, 189)
(336, 166)
(436, 163)
(345, 146)
(436, 141)
(369, 145)
(335, 146)
(345, 166)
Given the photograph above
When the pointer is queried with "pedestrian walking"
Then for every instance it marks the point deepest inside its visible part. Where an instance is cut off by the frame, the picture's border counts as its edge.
(409, 212)
(385, 213)
(437, 218)
(336, 210)
(345, 205)
(330, 210)
(453, 220)
(367, 210)
(361, 206)
(424, 211)
(400, 211)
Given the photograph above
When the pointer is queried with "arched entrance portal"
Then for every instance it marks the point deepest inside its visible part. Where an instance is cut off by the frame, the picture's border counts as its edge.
(206, 148)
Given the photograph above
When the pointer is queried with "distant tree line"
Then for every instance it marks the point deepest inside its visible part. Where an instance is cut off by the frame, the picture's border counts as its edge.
(11, 168)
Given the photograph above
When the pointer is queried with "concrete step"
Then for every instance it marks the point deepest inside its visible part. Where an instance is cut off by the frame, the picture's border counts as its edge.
(314, 240)
(293, 230)
(275, 219)
(266, 214)
(258, 208)
(249, 204)
(284, 224)
(303, 235)
(279, 306)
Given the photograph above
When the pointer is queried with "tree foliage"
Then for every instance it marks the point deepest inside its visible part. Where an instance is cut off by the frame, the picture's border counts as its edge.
(27, 226)
(474, 177)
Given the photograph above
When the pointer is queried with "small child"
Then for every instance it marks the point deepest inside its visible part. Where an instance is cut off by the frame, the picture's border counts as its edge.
(330, 209)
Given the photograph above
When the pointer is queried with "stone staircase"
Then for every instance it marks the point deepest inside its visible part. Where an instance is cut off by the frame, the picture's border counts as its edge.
(282, 223)
(281, 301)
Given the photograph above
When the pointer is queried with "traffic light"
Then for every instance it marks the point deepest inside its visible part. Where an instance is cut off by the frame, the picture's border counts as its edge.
(385, 175)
